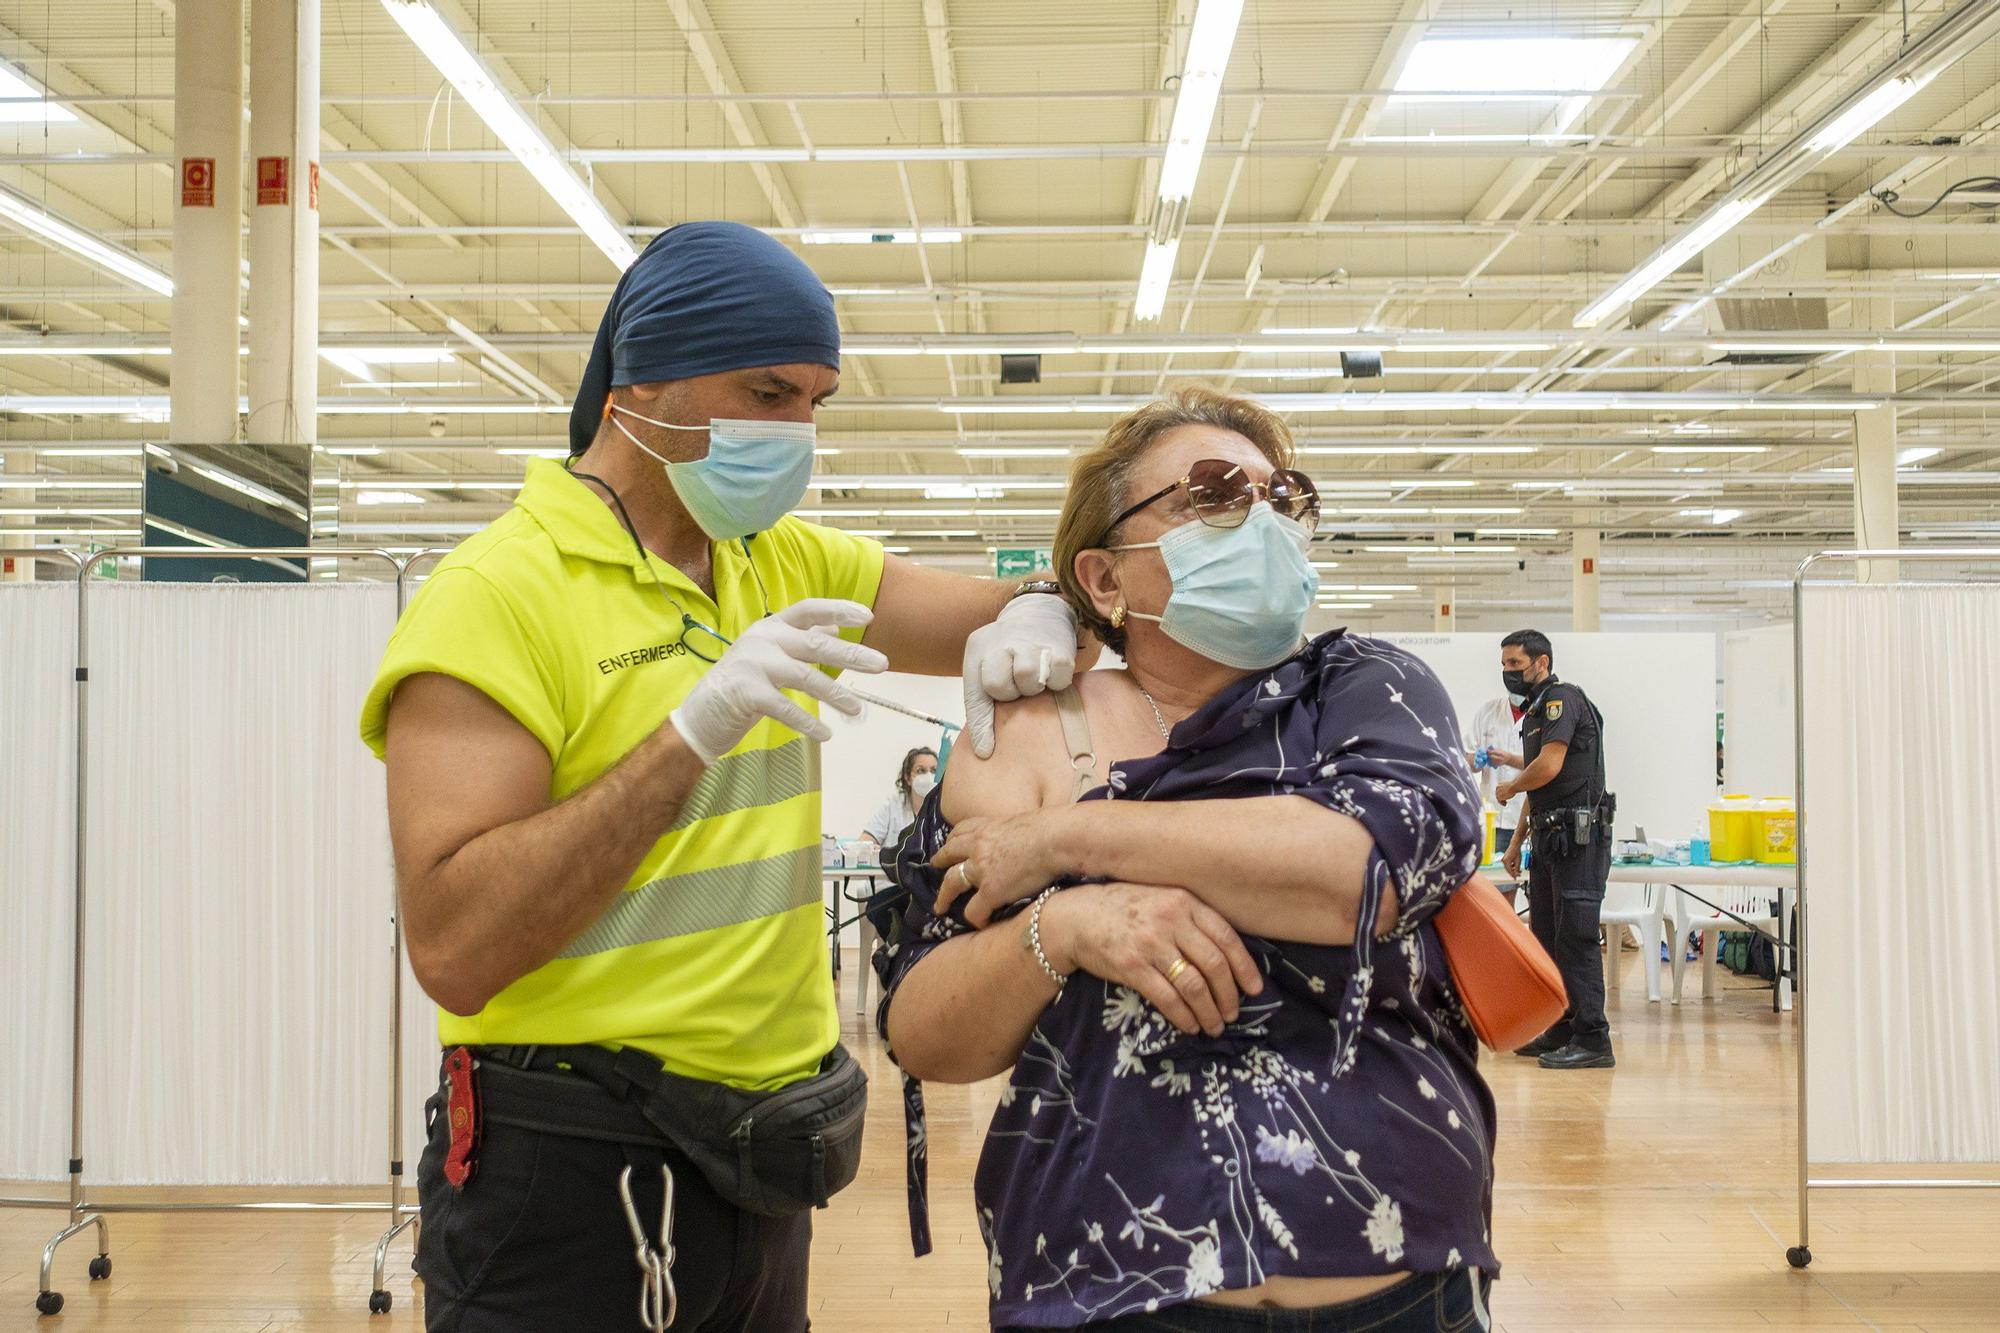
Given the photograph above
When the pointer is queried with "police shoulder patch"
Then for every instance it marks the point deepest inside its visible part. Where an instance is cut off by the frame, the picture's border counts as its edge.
(1554, 710)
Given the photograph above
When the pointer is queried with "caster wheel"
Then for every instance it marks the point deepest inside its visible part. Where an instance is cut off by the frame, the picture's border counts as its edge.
(379, 1302)
(49, 1302)
(100, 1268)
(1798, 1256)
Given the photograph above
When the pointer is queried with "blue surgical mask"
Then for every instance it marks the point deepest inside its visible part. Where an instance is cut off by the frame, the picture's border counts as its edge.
(755, 473)
(1240, 594)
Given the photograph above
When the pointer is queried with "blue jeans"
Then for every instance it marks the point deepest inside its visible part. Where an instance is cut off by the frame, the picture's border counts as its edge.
(1429, 1303)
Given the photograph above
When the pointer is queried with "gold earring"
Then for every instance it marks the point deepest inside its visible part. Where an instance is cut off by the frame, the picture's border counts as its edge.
(1118, 616)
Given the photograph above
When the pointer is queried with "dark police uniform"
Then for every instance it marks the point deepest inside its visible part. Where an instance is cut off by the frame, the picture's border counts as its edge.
(1570, 818)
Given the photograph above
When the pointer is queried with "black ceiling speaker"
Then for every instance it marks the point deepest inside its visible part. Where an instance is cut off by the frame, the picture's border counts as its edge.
(1361, 365)
(1021, 368)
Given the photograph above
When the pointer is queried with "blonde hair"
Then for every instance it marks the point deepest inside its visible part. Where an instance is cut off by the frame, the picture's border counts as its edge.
(1100, 481)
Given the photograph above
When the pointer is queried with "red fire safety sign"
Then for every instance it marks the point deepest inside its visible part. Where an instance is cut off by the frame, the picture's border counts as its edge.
(197, 182)
(274, 180)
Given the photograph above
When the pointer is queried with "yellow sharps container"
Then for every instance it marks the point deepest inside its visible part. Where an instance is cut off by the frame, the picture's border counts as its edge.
(1777, 824)
(1730, 835)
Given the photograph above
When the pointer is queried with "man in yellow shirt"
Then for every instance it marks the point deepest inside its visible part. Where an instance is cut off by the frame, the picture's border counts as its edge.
(600, 722)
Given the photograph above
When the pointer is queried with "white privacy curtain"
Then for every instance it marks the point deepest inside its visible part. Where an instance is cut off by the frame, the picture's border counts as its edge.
(37, 789)
(1902, 688)
(238, 928)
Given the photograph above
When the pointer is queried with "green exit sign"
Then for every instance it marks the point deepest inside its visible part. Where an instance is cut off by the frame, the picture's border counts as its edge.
(1019, 562)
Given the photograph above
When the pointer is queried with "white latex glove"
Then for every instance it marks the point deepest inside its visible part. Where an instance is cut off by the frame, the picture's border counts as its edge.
(780, 652)
(1003, 660)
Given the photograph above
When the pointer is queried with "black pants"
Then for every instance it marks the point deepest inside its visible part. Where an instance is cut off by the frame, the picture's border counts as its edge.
(537, 1240)
(1431, 1303)
(1565, 894)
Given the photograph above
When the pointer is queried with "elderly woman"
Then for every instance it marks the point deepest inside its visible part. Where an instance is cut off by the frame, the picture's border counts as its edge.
(1242, 1091)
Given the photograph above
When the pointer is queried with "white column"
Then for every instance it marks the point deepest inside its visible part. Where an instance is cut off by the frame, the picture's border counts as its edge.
(1444, 597)
(208, 220)
(1583, 575)
(284, 222)
(1876, 522)
(18, 497)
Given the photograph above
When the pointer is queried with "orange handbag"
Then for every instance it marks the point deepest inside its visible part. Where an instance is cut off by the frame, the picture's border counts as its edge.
(1508, 983)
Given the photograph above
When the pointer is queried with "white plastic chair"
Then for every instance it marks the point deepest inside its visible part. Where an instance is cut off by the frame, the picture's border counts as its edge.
(1642, 906)
(1691, 918)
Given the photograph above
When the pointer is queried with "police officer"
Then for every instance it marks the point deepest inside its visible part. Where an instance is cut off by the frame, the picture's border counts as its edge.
(1568, 817)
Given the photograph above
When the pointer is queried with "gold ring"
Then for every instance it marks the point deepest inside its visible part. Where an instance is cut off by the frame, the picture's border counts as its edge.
(1180, 966)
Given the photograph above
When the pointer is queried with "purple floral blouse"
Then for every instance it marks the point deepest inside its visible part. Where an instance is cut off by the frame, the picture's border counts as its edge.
(1338, 1128)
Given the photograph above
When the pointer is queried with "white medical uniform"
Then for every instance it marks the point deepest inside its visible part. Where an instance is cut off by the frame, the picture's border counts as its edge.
(1495, 725)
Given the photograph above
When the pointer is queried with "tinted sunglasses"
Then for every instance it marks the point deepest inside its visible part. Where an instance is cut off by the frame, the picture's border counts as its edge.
(1222, 494)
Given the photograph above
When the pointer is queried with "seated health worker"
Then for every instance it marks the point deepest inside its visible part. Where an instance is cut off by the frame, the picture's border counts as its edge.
(1186, 908)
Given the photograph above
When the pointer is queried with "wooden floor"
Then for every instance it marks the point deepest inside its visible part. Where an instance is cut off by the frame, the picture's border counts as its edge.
(1656, 1196)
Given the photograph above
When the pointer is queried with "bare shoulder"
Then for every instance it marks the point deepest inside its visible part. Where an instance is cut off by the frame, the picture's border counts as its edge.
(1027, 746)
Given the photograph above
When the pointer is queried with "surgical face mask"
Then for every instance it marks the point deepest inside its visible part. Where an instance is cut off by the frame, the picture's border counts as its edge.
(921, 785)
(1240, 594)
(755, 473)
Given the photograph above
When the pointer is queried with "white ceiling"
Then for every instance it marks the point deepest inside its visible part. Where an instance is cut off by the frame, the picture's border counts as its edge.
(1043, 155)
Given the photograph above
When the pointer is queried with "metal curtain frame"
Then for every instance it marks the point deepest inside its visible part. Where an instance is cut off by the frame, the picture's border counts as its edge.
(57, 555)
(401, 1217)
(1798, 1256)
(82, 1212)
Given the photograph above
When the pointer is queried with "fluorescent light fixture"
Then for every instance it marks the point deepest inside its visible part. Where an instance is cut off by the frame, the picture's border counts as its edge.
(389, 498)
(21, 103)
(1209, 43)
(536, 453)
(1002, 405)
(893, 237)
(360, 362)
(1022, 451)
(1156, 274)
(1210, 40)
(249, 488)
(1710, 449)
(1711, 225)
(1419, 548)
(1715, 516)
(49, 228)
(1417, 345)
(1909, 457)
(1327, 332)
(1847, 126)
(24, 349)
(44, 482)
(69, 532)
(1477, 138)
(496, 106)
(133, 451)
(1878, 345)
(1489, 510)
(964, 492)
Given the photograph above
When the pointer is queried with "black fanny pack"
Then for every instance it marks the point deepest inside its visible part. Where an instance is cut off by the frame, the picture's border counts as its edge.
(770, 1153)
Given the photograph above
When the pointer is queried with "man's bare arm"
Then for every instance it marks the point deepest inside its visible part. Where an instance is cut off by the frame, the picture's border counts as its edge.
(494, 877)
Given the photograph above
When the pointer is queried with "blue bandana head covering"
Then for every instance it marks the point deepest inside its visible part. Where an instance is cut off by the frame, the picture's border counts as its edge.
(705, 297)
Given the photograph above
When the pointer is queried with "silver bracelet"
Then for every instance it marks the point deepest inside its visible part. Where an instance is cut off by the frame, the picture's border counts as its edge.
(1035, 938)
